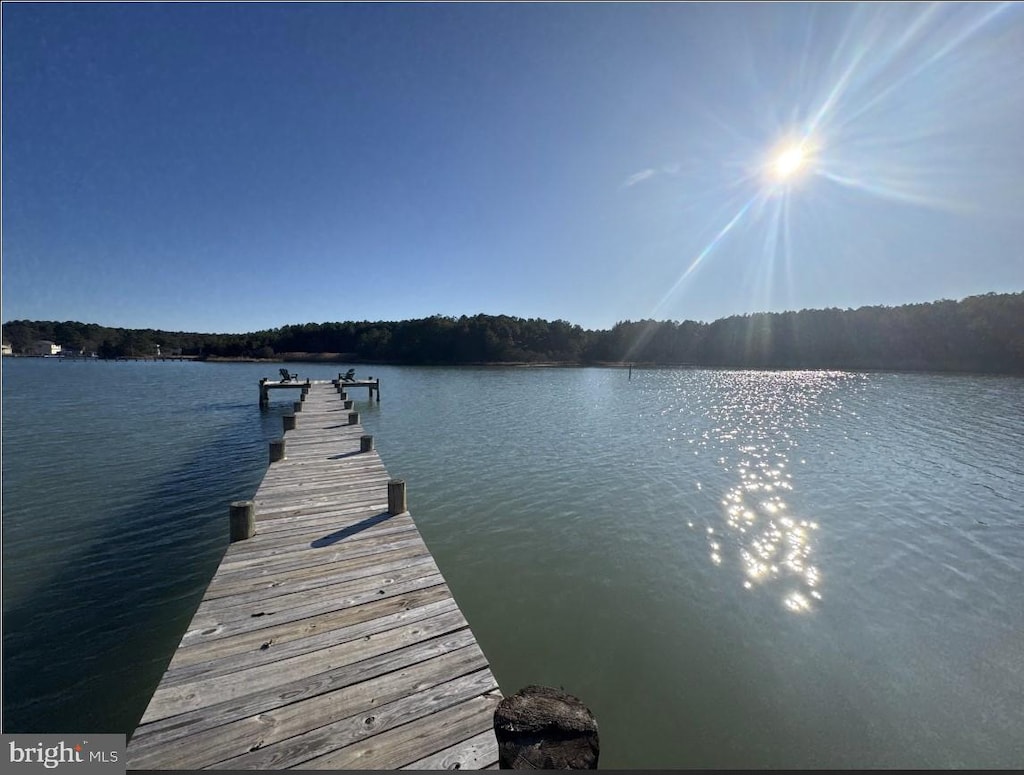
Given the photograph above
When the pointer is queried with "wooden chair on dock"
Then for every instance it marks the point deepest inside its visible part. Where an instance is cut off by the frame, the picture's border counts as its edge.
(349, 376)
(286, 376)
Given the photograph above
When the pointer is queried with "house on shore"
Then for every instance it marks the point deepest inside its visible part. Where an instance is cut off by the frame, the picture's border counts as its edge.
(7, 350)
(45, 347)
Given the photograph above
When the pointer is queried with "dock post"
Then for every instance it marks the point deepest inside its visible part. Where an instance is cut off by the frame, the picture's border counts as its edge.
(343, 395)
(264, 394)
(353, 418)
(396, 497)
(540, 727)
(243, 520)
(366, 443)
(297, 406)
(276, 450)
(378, 391)
(346, 404)
(289, 421)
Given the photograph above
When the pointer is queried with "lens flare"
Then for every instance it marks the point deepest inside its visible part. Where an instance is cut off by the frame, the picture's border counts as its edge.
(788, 163)
(889, 103)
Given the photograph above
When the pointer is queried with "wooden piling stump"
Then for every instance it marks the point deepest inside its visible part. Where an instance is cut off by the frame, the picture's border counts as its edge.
(353, 418)
(243, 520)
(396, 497)
(289, 421)
(540, 727)
(297, 406)
(276, 450)
(347, 404)
(365, 443)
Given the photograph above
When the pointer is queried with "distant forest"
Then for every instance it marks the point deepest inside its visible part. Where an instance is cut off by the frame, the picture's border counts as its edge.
(978, 334)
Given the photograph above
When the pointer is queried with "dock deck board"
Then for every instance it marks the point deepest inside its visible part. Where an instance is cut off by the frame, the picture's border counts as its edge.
(327, 640)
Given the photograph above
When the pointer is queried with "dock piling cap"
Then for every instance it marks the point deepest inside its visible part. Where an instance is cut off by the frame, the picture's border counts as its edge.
(540, 727)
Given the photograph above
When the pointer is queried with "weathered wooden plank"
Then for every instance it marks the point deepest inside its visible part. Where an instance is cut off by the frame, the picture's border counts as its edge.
(312, 749)
(284, 557)
(479, 752)
(339, 582)
(258, 605)
(271, 650)
(318, 537)
(212, 627)
(261, 578)
(297, 510)
(171, 700)
(398, 747)
(259, 731)
(211, 716)
(190, 653)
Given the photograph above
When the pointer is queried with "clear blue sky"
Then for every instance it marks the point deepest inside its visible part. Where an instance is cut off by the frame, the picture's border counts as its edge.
(234, 167)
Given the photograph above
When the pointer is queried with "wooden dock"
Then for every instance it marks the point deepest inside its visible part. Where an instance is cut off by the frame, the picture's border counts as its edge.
(266, 385)
(329, 639)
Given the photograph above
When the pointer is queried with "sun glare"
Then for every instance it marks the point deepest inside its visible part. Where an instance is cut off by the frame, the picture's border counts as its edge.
(789, 163)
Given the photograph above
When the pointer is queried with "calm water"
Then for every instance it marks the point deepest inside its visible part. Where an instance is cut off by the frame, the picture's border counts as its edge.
(732, 569)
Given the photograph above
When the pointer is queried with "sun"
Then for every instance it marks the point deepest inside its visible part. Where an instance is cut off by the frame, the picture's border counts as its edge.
(789, 161)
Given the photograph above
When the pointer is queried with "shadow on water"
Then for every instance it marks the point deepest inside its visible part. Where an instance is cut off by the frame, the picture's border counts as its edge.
(85, 652)
(351, 530)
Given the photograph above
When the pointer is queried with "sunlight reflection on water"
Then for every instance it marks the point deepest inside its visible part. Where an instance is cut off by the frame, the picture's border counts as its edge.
(752, 437)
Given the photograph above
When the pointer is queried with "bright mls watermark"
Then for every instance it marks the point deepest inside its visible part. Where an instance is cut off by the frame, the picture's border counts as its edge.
(79, 753)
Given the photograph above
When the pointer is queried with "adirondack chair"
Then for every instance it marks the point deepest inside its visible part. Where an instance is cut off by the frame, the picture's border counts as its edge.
(286, 376)
(349, 376)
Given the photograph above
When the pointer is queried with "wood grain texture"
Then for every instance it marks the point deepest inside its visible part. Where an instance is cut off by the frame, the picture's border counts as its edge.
(327, 639)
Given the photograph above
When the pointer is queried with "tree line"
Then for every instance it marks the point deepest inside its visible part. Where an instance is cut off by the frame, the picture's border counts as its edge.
(980, 333)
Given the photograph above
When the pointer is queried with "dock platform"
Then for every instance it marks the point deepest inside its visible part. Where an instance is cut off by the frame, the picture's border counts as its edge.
(266, 385)
(329, 639)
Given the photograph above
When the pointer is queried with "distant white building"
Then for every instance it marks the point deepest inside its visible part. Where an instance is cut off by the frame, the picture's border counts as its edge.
(45, 347)
(7, 350)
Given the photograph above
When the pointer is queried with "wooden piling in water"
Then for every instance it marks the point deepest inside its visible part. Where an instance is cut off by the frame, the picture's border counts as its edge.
(366, 443)
(297, 406)
(353, 418)
(543, 728)
(289, 421)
